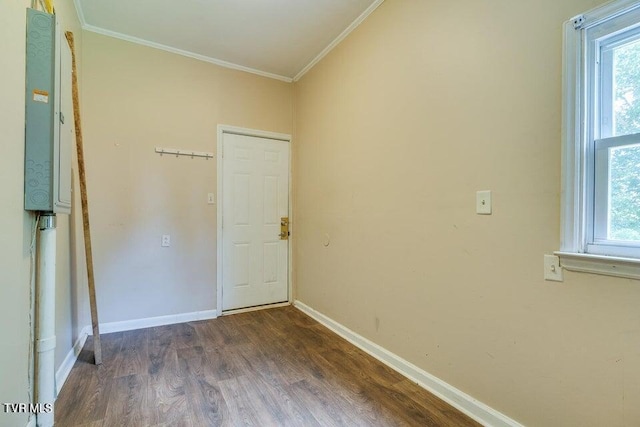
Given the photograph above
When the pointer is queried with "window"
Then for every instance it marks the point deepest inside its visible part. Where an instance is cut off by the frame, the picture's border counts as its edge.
(601, 141)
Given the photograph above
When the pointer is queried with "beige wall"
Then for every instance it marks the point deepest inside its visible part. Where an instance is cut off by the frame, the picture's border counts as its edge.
(17, 225)
(426, 103)
(396, 129)
(135, 99)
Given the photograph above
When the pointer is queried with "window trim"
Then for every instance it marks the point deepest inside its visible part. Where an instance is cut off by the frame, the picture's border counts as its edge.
(574, 192)
(601, 221)
(600, 264)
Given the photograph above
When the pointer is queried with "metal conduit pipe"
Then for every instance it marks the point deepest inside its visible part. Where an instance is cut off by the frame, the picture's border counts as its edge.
(46, 306)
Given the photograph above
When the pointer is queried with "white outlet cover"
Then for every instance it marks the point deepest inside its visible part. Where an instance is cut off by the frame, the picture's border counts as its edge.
(552, 269)
(483, 202)
(166, 240)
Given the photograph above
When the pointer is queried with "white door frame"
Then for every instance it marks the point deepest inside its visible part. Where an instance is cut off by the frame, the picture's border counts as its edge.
(222, 129)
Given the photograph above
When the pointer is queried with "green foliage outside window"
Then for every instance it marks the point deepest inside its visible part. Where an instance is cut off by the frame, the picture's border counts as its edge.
(625, 162)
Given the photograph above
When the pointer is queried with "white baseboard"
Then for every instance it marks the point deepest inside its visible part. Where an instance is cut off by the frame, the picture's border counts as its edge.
(65, 368)
(149, 322)
(463, 402)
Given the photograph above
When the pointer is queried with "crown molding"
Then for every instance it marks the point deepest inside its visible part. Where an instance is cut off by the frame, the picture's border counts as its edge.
(219, 62)
(343, 35)
(186, 53)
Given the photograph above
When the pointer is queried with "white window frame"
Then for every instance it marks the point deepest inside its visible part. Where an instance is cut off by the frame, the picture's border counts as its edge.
(579, 251)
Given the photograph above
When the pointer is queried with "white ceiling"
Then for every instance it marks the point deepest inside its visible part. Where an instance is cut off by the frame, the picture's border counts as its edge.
(276, 38)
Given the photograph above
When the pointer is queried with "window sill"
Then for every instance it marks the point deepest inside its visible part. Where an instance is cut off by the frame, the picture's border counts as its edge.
(600, 264)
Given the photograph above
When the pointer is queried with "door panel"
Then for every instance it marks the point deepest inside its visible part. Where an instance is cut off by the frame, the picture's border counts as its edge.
(255, 197)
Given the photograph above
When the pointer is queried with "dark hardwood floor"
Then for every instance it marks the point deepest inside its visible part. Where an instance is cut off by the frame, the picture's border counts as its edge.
(275, 367)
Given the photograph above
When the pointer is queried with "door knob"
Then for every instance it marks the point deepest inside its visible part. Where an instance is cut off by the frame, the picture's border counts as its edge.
(284, 228)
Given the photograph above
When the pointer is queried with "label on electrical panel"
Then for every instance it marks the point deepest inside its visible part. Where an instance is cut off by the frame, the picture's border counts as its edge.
(41, 96)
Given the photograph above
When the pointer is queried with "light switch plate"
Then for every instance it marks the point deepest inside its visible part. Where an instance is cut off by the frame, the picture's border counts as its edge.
(552, 269)
(211, 199)
(483, 202)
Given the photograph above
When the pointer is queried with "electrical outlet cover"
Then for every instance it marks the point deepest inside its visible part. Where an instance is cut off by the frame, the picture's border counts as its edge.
(552, 269)
(483, 202)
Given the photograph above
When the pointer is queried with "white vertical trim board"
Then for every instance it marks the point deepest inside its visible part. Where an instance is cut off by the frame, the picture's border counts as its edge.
(67, 364)
(291, 224)
(32, 421)
(219, 163)
(463, 402)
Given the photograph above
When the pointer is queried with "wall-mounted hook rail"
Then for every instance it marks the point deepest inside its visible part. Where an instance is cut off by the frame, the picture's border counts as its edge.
(189, 153)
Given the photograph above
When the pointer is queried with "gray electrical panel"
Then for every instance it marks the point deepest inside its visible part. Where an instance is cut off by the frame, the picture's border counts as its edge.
(49, 117)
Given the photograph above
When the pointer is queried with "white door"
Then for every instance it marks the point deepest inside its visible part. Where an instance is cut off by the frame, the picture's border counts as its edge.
(255, 197)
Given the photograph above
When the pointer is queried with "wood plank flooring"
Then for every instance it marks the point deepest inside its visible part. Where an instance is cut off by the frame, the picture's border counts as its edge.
(275, 367)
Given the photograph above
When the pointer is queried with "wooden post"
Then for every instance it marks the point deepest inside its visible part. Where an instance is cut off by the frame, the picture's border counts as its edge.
(97, 349)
